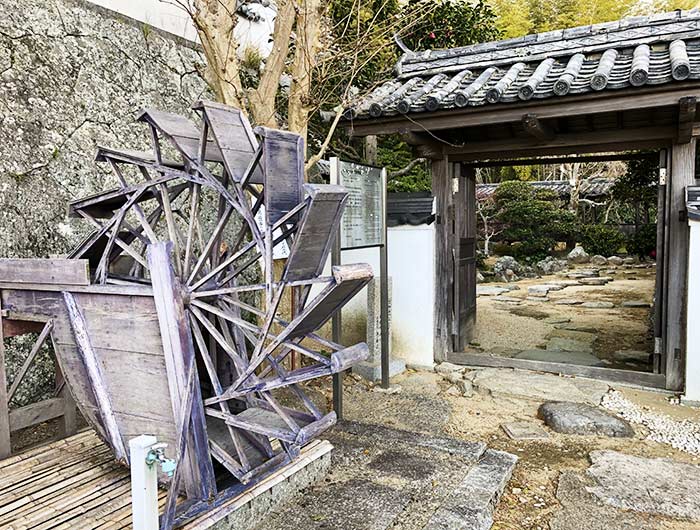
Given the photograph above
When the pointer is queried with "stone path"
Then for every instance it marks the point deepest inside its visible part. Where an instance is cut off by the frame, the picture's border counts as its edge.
(647, 485)
(383, 477)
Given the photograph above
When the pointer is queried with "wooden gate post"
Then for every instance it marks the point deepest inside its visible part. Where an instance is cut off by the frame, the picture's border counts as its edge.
(681, 175)
(442, 312)
(5, 447)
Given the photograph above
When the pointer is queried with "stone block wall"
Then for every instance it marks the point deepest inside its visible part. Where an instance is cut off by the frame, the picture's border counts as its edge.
(74, 75)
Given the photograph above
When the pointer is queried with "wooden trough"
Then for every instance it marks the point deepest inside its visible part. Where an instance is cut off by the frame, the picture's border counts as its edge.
(160, 320)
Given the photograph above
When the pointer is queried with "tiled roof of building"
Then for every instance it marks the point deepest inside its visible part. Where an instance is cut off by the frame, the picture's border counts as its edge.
(590, 188)
(633, 52)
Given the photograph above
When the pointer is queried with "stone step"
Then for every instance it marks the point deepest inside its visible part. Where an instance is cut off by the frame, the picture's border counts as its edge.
(472, 503)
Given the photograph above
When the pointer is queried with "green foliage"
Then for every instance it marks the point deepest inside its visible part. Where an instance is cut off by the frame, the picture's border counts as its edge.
(643, 242)
(521, 17)
(450, 24)
(533, 219)
(639, 185)
(604, 240)
(395, 154)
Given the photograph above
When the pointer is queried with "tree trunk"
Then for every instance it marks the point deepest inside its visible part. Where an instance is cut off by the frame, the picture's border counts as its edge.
(307, 47)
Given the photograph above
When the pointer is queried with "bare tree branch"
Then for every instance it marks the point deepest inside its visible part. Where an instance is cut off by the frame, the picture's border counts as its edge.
(407, 169)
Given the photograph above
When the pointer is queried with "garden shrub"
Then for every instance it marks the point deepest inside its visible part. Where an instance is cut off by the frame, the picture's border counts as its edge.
(534, 219)
(643, 242)
(604, 240)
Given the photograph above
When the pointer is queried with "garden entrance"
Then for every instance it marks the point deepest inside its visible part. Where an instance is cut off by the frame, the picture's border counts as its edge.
(606, 90)
(565, 263)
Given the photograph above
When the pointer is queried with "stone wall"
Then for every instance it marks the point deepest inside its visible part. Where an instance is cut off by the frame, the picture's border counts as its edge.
(74, 75)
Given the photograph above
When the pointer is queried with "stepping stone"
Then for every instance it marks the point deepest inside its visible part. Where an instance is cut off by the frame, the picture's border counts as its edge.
(580, 274)
(565, 283)
(568, 301)
(595, 281)
(598, 305)
(447, 368)
(471, 505)
(580, 418)
(537, 299)
(490, 290)
(505, 382)
(615, 260)
(556, 320)
(636, 303)
(524, 430)
(576, 327)
(508, 299)
(632, 355)
(646, 485)
(580, 358)
(538, 290)
(573, 334)
(502, 351)
(569, 345)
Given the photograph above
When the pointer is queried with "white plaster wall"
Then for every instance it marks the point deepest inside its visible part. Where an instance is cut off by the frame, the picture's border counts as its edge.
(166, 15)
(692, 363)
(411, 269)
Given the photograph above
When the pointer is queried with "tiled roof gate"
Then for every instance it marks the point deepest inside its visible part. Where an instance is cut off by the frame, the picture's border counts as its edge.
(634, 52)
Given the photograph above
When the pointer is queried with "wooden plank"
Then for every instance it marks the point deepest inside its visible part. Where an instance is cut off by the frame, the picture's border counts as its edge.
(606, 374)
(45, 271)
(16, 327)
(36, 413)
(178, 349)
(95, 376)
(682, 174)
(442, 309)
(127, 290)
(5, 445)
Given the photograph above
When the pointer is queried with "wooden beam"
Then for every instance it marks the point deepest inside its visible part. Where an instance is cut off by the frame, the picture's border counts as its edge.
(36, 413)
(48, 271)
(536, 128)
(686, 116)
(682, 174)
(606, 374)
(628, 99)
(539, 161)
(613, 137)
(93, 369)
(178, 349)
(13, 328)
(5, 446)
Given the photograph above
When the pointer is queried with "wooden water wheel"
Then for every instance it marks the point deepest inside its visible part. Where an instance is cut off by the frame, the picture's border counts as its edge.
(199, 220)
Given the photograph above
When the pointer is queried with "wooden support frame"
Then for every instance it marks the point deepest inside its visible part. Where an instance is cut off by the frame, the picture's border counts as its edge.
(686, 116)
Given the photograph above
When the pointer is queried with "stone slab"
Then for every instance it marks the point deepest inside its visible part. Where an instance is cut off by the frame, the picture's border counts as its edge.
(569, 345)
(524, 430)
(595, 281)
(647, 485)
(471, 505)
(373, 371)
(574, 334)
(569, 301)
(537, 299)
(631, 355)
(598, 305)
(580, 358)
(580, 510)
(580, 418)
(489, 290)
(537, 386)
(556, 320)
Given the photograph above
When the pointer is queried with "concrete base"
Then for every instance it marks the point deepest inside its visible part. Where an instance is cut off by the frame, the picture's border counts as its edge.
(246, 510)
(373, 371)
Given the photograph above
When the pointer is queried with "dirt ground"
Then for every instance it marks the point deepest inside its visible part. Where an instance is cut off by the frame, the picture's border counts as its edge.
(505, 328)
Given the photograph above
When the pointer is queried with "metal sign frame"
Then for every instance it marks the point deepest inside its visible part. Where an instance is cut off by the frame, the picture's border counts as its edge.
(335, 178)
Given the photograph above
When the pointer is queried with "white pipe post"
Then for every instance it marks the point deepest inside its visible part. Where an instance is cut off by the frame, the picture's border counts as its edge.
(692, 363)
(144, 484)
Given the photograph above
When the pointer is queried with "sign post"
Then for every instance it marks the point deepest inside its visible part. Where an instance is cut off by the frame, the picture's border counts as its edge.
(363, 226)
